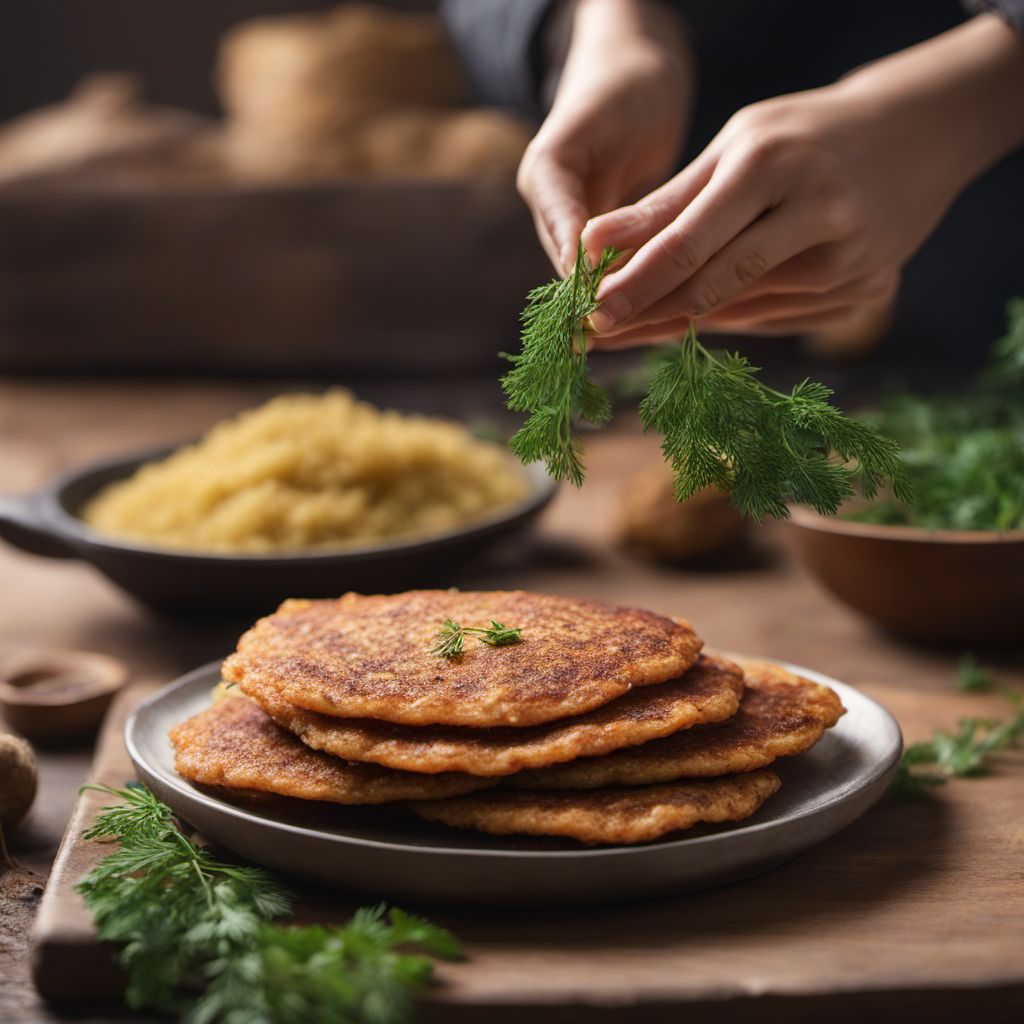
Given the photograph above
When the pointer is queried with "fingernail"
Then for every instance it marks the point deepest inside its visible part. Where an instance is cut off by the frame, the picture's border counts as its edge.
(612, 311)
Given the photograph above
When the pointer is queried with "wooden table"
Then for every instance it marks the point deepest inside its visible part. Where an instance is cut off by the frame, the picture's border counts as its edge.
(915, 912)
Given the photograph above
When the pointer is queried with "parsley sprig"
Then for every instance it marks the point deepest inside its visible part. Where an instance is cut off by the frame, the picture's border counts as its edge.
(450, 641)
(198, 940)
(967, 752)
(720, 424)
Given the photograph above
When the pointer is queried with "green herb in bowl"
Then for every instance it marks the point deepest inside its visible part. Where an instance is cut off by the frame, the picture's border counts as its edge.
(964, 454)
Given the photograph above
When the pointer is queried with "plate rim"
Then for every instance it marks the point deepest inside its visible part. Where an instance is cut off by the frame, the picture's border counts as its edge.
(877, 774)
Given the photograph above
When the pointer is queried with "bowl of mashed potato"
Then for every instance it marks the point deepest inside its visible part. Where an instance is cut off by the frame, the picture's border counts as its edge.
(309, 494)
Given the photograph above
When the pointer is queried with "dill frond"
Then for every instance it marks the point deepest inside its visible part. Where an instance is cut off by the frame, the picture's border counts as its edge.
(197, 937)
(549, 378)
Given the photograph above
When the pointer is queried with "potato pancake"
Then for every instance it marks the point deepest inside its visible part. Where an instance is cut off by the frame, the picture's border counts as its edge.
(369, 656)
(780, 715)
(604, 816)
(233, 744)
(708, 692)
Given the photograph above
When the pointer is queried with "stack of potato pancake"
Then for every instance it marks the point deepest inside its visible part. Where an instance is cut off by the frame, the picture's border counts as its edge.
(602, 724)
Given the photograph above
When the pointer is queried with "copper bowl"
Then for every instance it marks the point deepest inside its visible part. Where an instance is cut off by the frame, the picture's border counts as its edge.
(947, 586)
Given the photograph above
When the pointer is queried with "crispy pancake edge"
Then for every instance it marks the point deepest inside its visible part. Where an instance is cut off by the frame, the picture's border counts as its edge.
(233, 744)
(382, 668)
(607, 816)
(709, 692)
(740, 744)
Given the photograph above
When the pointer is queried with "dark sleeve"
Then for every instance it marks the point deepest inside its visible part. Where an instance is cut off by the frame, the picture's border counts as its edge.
(1011, 11)
(498, 43)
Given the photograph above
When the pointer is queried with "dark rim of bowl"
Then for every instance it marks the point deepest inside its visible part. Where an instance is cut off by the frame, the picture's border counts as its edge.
(806, 518)
(68, 524)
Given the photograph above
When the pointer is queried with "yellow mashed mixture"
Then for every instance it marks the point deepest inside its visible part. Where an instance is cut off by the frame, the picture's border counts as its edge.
(311, 471)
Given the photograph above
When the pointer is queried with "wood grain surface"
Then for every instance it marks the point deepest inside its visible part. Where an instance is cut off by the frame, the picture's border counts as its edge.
(915, 911)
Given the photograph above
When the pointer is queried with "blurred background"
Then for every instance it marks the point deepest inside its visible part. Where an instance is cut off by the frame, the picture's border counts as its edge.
(262, 187)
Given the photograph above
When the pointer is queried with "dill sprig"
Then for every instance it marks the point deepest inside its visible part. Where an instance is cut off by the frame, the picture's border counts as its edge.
(721, 426)
(549, 376)
(450, 641)
(197, 937)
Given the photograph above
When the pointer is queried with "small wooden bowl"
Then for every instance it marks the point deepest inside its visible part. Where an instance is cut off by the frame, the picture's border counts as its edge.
(52, 695)
(945, 586)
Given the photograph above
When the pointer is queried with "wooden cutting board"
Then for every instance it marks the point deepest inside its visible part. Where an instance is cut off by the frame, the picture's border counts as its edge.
(915, 910)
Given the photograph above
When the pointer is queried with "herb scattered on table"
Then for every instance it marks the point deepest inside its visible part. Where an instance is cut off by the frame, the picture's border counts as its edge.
(198, 939)
(973, 677)
(450, 642)
(720, 424)
(964, 453)
(964, 753)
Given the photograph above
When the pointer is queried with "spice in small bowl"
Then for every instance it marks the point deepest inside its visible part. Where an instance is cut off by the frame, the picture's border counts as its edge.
(53, 695)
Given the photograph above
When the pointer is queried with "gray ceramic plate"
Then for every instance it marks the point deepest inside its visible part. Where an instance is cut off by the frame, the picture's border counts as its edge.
(392, 855)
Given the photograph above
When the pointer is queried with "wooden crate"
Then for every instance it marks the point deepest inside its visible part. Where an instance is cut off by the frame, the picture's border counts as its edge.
(356, 277)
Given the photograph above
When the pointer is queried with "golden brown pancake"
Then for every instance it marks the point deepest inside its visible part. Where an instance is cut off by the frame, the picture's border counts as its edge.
(780, 714)
(593, 816)
(369, 657)
(708, 692)
(233, 744)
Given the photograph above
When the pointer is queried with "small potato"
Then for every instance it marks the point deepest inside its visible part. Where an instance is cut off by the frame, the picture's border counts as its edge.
(657, 525)
(18, 779)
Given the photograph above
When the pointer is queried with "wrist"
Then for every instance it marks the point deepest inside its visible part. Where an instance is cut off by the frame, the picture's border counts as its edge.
(961, 91)
(645, 29)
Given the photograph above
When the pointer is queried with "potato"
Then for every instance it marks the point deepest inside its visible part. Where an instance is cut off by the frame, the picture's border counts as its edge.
(18, 779)
(654, 523)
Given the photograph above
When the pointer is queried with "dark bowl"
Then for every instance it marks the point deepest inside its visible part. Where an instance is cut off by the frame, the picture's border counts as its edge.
(47, 523)
(941, 586)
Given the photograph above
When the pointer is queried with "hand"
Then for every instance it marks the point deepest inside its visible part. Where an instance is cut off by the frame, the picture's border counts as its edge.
(618, 120)
(802, 211)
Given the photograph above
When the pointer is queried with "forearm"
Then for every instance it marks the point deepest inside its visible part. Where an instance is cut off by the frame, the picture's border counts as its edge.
(646, 35)
(965, 87)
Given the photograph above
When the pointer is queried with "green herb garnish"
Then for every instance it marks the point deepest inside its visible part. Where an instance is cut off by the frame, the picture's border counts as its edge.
(450, 641)
(197, 937)
(723, 427)
(720, 424)
(966, 752)
(973, 677)
(549, 376)
(964, 453)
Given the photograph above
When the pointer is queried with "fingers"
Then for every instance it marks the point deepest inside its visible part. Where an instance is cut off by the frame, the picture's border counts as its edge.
(667, 330)
(631, 226)
(728, 204)
(766, 244)
(746, 314)
(785, 326)
(556, 198)
(780, 314)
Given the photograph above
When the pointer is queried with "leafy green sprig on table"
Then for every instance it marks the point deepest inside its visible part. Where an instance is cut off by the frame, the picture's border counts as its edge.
(450, 642)
(721, 426)
(972, 676)
(198, 940)
(964, 453)
(965, 752)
